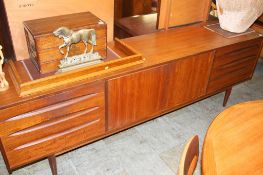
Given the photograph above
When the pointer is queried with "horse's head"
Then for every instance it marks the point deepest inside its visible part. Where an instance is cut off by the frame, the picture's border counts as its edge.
(62, 32)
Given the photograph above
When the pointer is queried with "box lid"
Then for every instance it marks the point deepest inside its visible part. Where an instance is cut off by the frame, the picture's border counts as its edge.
(73, 21)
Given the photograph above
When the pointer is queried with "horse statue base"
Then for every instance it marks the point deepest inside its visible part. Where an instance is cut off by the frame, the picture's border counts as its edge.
(3, 83)
(79, 61)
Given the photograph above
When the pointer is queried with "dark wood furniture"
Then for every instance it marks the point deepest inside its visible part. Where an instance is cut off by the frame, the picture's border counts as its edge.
(181, 67)
(135, 17)
(135, 25)
(234, 141)
(126, 8)
(169, 13)
(5, 38)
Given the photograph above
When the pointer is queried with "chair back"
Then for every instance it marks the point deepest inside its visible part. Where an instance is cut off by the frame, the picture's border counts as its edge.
(189, 157)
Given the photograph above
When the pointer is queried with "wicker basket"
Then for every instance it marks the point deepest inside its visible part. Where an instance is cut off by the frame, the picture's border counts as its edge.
(238, 15)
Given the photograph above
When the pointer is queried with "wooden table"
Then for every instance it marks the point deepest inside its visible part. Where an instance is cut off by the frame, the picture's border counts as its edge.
(234, 141)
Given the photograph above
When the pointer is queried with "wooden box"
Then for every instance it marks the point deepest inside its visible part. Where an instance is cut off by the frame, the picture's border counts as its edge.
(43, 45)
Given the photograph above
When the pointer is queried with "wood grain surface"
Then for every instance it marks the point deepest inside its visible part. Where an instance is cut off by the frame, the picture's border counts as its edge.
(232, 64)
(234, 141)
(57, 80)
(136, 25)
(148, 93)
(176, 71)
(165, 46)
(175, 13)
(158, 48)
(189, 157)
(50, 129)
(43, 46)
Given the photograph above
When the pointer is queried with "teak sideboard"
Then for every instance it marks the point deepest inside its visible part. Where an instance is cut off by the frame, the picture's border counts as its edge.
(181, 66)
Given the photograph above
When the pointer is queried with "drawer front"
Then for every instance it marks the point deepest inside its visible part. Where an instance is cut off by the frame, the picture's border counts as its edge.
(47, 113)
(230, 79)
(234, 67)
(237, 48)
(233, 64)
(35, 104)
(54, 129)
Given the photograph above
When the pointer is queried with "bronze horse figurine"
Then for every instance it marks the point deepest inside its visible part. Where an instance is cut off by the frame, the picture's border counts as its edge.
(87, 36)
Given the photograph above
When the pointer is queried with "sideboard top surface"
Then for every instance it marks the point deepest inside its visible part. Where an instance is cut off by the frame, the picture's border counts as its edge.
(157, 48)
(49, 25)
(165, 46)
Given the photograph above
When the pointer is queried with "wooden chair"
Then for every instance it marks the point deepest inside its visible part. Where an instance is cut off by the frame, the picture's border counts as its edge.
(189, 157)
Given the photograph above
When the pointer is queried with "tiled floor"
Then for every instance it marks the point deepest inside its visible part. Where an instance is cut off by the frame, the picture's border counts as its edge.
(152, 148)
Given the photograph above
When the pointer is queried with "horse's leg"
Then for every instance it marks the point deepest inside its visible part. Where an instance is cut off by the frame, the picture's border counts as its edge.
(68, 48)
(86, 47)
(1, 81)
(91, 50)
(60, 47)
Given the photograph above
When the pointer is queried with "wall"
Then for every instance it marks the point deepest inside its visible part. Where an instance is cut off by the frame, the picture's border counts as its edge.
(21, 10)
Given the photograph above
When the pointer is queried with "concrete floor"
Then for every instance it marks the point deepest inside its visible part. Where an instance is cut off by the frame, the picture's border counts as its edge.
(152, 148)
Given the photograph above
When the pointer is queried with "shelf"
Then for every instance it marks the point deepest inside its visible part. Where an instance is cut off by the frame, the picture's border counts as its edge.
(28, 81)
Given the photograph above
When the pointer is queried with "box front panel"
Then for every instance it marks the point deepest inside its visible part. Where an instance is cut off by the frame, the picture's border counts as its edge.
(44, 49)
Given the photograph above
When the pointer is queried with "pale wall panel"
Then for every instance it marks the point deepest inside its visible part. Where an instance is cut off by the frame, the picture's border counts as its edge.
(19, 11)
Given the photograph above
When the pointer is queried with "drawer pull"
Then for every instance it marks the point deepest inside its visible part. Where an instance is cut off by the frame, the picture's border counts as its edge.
(50, 123)
(242, 60)
(56, 135)
(52, 107)
(239, 51)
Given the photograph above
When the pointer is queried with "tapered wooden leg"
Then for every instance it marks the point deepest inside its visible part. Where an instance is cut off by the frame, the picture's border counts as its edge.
(53, 164)
(9, 171)
(227, 94)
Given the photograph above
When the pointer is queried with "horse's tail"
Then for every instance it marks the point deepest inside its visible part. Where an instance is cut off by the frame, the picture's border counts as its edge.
(93, 37)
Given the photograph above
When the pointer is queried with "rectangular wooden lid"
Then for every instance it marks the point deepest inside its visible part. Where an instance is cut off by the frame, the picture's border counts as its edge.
(49, 25)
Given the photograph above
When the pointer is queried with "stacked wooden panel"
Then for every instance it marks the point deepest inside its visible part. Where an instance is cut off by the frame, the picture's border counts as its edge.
(52, 124)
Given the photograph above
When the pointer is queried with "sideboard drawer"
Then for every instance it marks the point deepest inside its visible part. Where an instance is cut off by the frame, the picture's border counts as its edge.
(229, 79)
(53, 137)
(40, 102)
(50, 112)
(237, 52)
(233, 64)
(237, 67)
(48, 131)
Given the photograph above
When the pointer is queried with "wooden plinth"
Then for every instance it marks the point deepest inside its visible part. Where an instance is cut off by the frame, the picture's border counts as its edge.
(54, 81)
